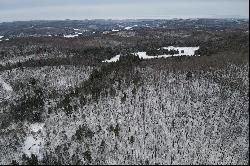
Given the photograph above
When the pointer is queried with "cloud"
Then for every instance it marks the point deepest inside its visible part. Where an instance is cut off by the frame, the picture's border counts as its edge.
(80, 9)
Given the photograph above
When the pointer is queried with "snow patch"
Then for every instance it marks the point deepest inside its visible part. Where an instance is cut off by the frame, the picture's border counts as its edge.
(188, 51)
(5, 86)
(143, 55)
(114, 59)
(62, 82)
(128, 28)
(35, 141)
(32, 146)
(105, 32)
(71, 36)
(1, 37)
(36, 127)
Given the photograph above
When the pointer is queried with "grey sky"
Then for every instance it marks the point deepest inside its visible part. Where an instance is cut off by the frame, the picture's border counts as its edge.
(11, 10)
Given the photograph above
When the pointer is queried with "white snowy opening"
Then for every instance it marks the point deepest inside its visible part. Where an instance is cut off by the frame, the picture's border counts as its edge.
(183, 51)
(128, 28)
(71, 36)
(114, 59)
(35, 141)
(5, 86)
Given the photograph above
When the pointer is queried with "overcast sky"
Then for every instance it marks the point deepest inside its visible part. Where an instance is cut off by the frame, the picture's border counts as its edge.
(13, 10)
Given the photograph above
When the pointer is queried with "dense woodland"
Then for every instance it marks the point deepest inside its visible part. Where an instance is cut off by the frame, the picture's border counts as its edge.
(179, 110)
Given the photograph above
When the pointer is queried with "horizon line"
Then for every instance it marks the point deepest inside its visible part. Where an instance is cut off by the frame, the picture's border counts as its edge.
(121, 19)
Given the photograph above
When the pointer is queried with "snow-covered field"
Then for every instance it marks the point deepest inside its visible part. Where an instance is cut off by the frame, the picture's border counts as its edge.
(183, 51)
(188, 51)
(128, 28)
(114, 59)
(71, 36)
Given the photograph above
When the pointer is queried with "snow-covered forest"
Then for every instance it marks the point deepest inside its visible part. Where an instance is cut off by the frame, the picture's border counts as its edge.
(60, 104)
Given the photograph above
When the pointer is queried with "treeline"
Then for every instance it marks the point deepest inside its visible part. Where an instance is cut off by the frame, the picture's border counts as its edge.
(106, 80)
(103, 79)
(155, 52)
(88, 57)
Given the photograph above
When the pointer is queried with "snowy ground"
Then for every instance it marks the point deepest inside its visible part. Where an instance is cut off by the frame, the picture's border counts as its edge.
(5, 86)
(128, 28)
(183, 51)
(71, 36)
(34, 141)
(114, 59)
(188, 51)
(5, 91)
